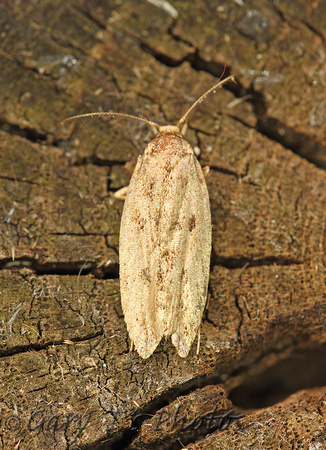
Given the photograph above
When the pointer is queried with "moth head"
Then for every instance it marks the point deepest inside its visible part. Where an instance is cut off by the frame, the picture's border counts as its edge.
(169, 129)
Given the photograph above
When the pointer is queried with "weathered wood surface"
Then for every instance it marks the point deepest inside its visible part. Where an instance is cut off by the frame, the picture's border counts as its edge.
(68, 379)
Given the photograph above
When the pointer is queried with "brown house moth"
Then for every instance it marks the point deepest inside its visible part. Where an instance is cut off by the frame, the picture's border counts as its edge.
(165, 241)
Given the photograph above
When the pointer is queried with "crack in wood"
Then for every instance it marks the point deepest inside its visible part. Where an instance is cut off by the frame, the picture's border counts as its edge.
(77, 268)
(39, 347)
(240, 262)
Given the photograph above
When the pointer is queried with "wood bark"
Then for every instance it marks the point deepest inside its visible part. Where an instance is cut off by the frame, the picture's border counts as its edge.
(68, 379)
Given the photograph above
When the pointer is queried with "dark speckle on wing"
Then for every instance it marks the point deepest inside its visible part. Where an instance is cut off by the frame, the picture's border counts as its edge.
(192, 222)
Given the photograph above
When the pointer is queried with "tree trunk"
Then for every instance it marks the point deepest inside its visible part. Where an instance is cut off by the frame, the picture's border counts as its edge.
(68, 377)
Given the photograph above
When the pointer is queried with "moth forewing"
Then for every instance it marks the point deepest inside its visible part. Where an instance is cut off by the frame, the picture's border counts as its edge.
(196, 262)
(165, 245)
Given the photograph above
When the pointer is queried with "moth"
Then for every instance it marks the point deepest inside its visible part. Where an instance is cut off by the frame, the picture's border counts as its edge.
(165, 240)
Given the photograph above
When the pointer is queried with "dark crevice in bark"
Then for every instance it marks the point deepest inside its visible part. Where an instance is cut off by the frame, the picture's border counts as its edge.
(241, 318)
(233, 173)
(28, 133)
(77, 268)
(302, 369)
(38, 347)
(315, 30)
(89, 14)
(239, 176)
(240, 262)
(96, 161)
(301, 144)
(19, 180)
(36, 136)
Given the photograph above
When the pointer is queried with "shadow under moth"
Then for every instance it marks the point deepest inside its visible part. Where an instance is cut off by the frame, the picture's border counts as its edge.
(165, 240)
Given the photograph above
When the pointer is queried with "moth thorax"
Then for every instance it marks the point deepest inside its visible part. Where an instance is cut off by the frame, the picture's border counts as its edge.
(171, 129)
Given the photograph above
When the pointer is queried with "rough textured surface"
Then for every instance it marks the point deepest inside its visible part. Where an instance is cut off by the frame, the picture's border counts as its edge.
(297, 423)
(68, 379)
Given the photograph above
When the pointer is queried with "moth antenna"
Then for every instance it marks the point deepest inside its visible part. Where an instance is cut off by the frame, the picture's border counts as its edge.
(112, 114)
(202, 98)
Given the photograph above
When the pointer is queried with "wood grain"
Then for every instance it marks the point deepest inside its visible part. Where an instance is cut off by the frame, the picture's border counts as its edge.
(68, 379)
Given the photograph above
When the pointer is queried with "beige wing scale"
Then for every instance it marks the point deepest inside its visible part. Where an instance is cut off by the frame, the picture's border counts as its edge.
(165, 246)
